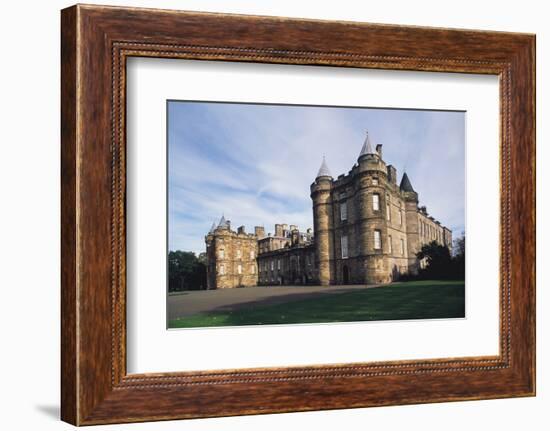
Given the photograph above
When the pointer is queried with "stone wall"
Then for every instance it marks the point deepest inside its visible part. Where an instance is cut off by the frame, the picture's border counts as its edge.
(289, 266)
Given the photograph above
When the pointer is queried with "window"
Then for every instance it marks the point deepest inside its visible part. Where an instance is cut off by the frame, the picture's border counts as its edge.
(278, 264)
(238, 253)
(344, 211)
(272, 265)
(388, 209)
(222, 253)
(376, 202)
(222, 269)
(374, 181)
(400, 217)
(402, 247)
(251, 254)
(377, 240)
(390, 251)
(344, 245)
(239, 269)
(252, 269)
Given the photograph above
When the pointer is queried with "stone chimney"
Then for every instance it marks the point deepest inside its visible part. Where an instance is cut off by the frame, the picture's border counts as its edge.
(259, 231)
(295, 237)
(241, 229)
(279, 230)
(392, 174)
(379, 150)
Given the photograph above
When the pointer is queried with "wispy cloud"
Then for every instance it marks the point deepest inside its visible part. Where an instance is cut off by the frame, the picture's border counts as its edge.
(255, 163)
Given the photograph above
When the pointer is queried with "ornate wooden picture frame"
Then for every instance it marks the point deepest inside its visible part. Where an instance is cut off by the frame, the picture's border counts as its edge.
(96, 41)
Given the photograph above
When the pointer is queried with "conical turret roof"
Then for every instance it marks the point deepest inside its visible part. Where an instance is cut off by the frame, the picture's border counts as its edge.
(223, 222)
(324, 171)
(367, 147)
(213, 227)
(406, 185)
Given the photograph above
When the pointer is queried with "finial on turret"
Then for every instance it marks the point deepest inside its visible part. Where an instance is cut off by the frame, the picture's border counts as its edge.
(367, 147)
(324, 171)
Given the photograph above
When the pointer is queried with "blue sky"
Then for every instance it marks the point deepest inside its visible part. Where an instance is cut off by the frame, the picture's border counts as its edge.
(255, 163)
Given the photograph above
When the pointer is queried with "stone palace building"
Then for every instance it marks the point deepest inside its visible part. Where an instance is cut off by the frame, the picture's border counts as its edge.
(367, 229)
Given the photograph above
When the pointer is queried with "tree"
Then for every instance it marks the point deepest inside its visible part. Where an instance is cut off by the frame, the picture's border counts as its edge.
(440, 263)
(185, 271)
(202, 257)
(438, 259)
(459, 257)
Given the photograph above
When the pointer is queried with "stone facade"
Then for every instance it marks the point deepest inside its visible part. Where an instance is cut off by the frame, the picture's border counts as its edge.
(367, 229)
(288, 257)
(231, 257)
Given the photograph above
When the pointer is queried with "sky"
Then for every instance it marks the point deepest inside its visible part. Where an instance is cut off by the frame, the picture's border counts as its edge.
(255, 163)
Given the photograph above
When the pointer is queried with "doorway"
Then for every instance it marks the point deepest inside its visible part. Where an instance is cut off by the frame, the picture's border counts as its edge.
(345, 274)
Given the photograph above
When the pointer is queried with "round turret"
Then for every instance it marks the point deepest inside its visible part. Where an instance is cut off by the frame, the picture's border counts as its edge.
(322, 210)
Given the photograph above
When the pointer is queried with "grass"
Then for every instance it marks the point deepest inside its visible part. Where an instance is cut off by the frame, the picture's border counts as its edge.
(407, 300)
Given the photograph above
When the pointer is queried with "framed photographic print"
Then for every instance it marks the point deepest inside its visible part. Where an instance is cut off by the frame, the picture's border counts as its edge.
(268, 215)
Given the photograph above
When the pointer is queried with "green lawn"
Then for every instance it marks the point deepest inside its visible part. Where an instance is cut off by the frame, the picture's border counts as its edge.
(407, 300)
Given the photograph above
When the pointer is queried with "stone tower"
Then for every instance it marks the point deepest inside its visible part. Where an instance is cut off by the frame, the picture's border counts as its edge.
(231, 257)
(322, 223)
(371, 180)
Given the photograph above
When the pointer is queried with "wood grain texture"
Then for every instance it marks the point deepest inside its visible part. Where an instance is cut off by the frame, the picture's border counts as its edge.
(96, 41)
